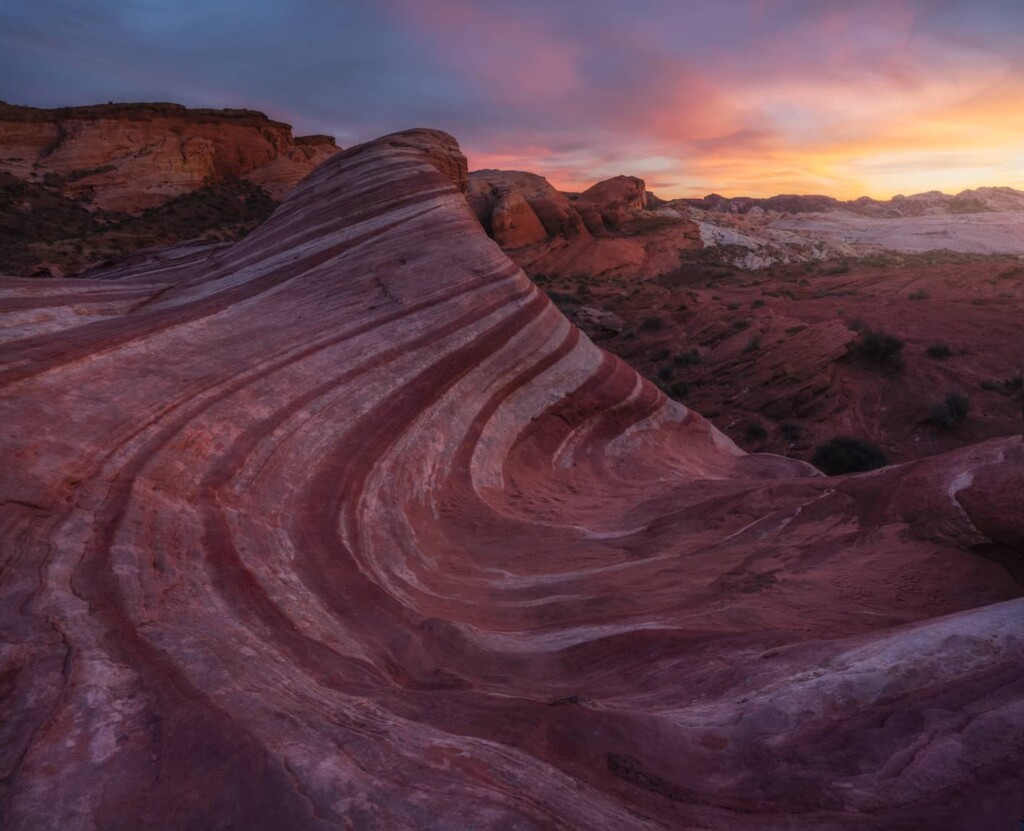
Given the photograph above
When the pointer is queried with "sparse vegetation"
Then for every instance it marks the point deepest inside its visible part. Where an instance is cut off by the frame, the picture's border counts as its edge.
(689, 358)
(754, 433)
(845, 454)
(951, 412)
(753, 345)
(757, 304)
(920, 294)
(1007, 386)
(938, 350)
(40, 223)
(561, 298)
(791, 431)
(878, 350)
(652, 324)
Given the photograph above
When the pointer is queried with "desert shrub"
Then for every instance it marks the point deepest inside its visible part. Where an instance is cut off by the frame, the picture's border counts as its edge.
(757, 304)
(938, 350)
(845, 454)
(562, 299)
(753, 345)
(732, 307)
(660, 355)
(652, 324)
(920, 294)
(687, 358)
(740, 325)
(679, 389)
(666, 372)
(755, 432)
(791, 431)
(878, 350)
(950, 412)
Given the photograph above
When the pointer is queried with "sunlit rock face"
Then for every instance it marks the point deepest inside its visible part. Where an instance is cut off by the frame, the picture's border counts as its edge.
(347, 526)
(128, 157)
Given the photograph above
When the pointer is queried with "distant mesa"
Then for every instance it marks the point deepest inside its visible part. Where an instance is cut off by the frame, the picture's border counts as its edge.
(933, 202)
(129, 157)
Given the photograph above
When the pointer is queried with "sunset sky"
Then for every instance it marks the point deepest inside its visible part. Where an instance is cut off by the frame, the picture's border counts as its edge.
(741, 97)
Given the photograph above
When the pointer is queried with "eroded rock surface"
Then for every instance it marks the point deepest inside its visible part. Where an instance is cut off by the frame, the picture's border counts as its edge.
(345, 525)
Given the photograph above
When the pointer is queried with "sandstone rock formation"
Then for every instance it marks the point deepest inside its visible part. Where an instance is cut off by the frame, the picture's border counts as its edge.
(608, 229)
(612, 203)
(346, 525)
(519, 208)
(127, 157)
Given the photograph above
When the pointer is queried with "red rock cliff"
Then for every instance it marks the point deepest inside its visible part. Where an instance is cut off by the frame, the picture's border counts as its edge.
(128, 157)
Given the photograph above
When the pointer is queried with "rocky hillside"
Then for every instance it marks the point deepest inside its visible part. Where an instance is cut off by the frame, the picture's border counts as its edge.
(84, 185)
(347, 526)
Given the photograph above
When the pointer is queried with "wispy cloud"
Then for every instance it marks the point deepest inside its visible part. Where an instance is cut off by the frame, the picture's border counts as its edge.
(738, 96)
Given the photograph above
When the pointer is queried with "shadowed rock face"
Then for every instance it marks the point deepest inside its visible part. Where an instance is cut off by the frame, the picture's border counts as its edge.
(345, 525)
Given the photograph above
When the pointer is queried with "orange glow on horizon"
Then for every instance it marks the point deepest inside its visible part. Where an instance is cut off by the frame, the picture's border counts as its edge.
(956, 138)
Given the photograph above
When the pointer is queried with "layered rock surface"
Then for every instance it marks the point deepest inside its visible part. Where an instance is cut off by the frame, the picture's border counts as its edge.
(128, 157)
(346, 525)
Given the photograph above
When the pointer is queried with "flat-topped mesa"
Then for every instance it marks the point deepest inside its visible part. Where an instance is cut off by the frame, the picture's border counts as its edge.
(345, 525)
(128, 157)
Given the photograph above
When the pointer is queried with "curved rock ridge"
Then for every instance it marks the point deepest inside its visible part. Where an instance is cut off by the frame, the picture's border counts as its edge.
(346, 526)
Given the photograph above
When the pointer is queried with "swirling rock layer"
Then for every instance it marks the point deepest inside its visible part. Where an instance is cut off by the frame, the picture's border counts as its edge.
(346, 526)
